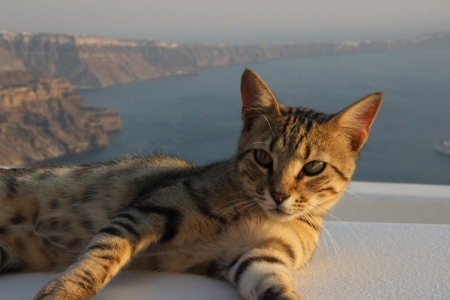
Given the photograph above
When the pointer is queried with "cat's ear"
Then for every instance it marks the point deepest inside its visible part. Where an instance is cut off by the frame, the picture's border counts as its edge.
(257, 99)
(355, 121)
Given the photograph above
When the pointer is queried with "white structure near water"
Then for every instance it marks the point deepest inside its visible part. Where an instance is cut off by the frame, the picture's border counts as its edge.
(392, 242)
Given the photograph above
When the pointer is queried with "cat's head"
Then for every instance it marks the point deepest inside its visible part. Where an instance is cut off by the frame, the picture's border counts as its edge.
(297, 162)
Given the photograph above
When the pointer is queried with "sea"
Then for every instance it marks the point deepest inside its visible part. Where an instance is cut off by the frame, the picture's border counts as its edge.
(197, 117)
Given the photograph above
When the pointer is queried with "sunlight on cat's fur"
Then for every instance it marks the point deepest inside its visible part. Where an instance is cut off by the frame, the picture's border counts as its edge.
(249, 220)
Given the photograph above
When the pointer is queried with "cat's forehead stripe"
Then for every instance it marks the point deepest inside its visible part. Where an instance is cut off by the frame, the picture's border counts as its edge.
(307, 113)
(273, 142)
(307, 152)
(294, 129)
(299, 141)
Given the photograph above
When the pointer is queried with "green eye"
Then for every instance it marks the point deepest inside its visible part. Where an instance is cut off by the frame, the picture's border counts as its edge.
(263, 158)
(314, 167)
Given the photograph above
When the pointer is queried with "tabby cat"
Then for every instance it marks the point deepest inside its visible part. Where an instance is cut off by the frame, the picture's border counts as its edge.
(249, 220)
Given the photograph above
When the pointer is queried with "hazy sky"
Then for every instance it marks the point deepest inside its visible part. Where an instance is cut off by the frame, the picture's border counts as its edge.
(229, 21)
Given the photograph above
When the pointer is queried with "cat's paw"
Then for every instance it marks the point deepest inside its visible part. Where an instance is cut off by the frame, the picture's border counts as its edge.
(53, 290)
(58, 289)
(279, 293)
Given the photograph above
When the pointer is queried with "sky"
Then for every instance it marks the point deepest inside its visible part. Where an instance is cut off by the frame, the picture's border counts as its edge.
(229, 21)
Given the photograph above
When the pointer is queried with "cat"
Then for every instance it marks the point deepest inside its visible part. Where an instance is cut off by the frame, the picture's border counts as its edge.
(249, 220)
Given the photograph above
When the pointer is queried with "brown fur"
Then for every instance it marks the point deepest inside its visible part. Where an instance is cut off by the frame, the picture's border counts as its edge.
(249, 220)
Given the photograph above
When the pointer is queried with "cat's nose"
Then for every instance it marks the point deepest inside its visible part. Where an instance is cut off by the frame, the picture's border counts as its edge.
(279, 197)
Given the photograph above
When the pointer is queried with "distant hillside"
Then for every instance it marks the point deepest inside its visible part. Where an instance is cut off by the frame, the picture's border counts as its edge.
(42, 117)
(100, 62)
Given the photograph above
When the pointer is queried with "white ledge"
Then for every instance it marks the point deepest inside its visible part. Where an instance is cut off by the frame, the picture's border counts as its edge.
(354, 261)
(402, 191)
(393, 203)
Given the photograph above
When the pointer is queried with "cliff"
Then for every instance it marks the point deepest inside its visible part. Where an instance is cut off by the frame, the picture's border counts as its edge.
(42, 117)
(101, 62)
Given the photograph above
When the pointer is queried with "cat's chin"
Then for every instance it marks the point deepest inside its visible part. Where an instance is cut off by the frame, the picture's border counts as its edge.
(279, 215)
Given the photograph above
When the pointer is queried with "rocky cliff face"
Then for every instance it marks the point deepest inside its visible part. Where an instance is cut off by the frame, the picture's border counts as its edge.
(100, 62)
(42, 117)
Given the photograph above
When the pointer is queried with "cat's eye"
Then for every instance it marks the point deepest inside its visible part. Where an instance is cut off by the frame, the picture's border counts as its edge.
(314, 167)
(263, 158)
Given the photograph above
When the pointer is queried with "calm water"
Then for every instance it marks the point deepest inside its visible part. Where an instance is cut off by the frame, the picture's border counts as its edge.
(197, 117)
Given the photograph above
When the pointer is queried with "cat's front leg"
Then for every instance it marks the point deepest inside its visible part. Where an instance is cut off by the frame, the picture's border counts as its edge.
(103, 258)
(263, 274)
(121, 238)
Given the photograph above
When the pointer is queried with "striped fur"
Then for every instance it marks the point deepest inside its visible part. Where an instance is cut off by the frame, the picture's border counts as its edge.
(249, 220)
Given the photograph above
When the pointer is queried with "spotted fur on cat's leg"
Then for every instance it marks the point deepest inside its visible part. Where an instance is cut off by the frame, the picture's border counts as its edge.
(101, 261)
(22, 249)
(122, 237)
(9, 262)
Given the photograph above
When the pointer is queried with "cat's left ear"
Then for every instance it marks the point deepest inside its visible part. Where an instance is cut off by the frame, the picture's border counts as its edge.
(355, 121)
(257, 99)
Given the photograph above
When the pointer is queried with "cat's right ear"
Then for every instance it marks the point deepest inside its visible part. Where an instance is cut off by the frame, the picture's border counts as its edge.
(257, 99)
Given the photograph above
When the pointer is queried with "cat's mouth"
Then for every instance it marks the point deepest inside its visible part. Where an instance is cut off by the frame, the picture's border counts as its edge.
(278, 211)
(279, 214)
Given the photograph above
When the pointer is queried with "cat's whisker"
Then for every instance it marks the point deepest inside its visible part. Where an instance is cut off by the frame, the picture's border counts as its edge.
(233, 206)
(237, 199)
(351, 230)
(248, 205)
(332, 240)
(357, 196)
(226, 205)
(313, 217)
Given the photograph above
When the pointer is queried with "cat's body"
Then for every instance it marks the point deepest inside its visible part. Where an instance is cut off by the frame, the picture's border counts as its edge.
(249, 220)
